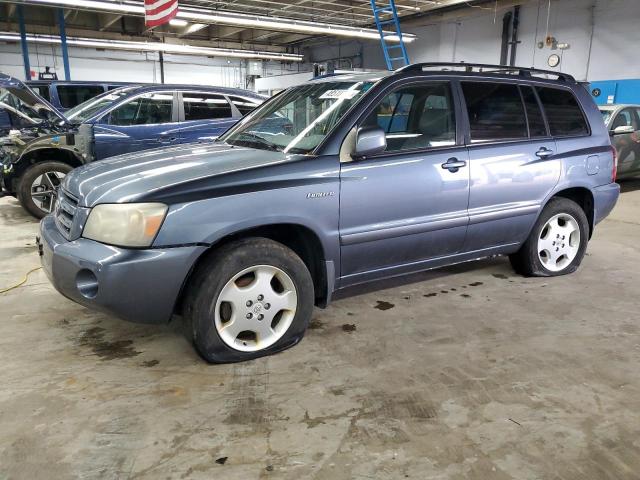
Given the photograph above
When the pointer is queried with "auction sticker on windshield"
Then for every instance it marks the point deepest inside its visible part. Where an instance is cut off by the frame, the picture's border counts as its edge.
(346, 94)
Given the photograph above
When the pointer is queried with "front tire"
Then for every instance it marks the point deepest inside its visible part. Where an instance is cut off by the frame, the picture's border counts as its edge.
(557, 243)
(250, 298)
(37, 189)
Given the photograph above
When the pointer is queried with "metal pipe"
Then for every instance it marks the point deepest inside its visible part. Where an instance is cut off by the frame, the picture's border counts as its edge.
(504, 45)
(514, 35)
(63, 44)
(161, 58)
(23, 43)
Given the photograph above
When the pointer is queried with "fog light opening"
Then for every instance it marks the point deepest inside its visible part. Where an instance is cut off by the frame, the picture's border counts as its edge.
(87, 283)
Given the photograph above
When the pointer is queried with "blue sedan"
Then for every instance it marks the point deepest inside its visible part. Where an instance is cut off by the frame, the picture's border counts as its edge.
(120, 121)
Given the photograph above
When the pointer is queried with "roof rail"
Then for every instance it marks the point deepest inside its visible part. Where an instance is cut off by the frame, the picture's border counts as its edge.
(486, 68)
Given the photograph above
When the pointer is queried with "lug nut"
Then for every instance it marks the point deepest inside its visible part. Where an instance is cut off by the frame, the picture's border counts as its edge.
(260, 317)
(249, 303)
(267, 306)
(249, 315)
(260, 297)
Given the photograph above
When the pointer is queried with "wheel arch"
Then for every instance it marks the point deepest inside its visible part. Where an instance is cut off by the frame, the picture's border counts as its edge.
(584, 198)
(44, 154)
(299, 238)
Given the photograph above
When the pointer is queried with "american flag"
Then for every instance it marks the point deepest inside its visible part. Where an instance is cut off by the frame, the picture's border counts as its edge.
(157, 12)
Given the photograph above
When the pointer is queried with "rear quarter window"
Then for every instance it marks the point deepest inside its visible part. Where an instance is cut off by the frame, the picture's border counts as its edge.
(564, 115)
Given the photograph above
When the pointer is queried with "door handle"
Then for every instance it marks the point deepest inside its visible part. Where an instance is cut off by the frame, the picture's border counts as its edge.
(167, 139)
(453, 164)
(544, 152)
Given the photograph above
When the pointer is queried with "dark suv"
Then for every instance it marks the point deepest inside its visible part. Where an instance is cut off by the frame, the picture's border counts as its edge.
(332, 183)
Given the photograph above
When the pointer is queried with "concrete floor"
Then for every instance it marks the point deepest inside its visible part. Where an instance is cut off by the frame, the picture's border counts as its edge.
(469, 372)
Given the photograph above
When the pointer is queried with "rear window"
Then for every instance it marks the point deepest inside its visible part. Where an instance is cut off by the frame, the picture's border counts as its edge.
(564, 115)
(205, 106)
(72, 95)
(495, 111)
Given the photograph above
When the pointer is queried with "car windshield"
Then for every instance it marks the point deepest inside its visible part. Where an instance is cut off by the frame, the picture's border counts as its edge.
(606, 115)
(24, 108)
(88, 109)
(297, 120)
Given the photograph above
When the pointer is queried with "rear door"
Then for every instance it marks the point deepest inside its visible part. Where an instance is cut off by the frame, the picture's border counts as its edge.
(145, 121)
(512, 160)
(407, 205)
(204, 116)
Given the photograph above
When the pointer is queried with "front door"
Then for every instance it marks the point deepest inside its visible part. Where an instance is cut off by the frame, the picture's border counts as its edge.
(513, 163)
(140, 123)
(204, 116)
(401, 208)
(625, 130)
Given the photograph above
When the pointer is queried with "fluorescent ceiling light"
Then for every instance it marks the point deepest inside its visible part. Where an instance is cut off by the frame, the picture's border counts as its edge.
(177, 22)
(155, 47)
(194, 27)
(228, 18)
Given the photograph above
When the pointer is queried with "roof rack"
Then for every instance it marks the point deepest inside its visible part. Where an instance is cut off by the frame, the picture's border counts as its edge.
(486, 68)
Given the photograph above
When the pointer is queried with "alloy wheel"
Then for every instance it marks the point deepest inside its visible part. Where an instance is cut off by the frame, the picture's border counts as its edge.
(44, 190)
(255, 308)
(559, 242)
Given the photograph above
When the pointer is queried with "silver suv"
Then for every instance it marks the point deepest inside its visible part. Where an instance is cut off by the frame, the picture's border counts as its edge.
(336, 182)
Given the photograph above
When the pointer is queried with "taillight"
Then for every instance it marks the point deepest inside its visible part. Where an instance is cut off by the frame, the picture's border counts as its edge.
(614, 172)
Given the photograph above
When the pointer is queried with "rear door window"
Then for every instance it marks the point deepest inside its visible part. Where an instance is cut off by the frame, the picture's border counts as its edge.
(72, 95)
(495, 111)
(150, 108)
(205, 106)
(564, 115)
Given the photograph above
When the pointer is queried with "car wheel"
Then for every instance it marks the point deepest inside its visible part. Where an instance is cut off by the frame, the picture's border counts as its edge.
(557, 243)
(250, 298)
(38, 186)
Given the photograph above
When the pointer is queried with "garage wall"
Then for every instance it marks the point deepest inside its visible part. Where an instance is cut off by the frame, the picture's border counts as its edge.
(91, 64)
(603, 37)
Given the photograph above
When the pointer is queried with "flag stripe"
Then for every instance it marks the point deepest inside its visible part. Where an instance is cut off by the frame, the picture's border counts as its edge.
(158, 12)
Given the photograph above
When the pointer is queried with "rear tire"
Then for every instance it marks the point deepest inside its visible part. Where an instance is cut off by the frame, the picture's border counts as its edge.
(38, 186)
(557, 243)
(251, 298)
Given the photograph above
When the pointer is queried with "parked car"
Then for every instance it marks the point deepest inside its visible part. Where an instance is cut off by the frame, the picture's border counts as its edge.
(43, 145)
(64, 95)
(623, 122)
(246, 234)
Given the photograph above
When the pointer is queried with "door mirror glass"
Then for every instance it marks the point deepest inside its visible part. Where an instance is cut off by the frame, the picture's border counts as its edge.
(369, 141)
(619, 130)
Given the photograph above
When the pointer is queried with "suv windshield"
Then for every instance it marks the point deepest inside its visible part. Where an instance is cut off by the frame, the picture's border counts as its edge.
(24, 108)
(88, 109)
(297, 120)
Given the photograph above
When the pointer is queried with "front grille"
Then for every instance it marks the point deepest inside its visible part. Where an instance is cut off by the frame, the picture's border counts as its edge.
(65, 212)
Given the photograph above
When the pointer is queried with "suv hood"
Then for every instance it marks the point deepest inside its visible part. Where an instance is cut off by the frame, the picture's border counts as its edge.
(33, 108)
(164, 174)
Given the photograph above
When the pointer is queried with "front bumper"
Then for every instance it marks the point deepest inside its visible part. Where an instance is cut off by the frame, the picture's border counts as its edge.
(140, 286)
(605, 198)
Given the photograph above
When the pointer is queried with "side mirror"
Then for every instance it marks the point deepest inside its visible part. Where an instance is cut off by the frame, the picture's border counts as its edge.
(369, 141)
(622, 129)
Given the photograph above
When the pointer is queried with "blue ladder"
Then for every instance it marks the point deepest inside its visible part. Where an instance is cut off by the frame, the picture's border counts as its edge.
(390, 50)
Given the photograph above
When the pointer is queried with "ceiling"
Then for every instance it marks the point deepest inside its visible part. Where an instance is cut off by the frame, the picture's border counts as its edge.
(87, 22)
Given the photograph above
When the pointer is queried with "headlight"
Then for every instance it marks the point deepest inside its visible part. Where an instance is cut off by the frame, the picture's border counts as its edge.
(125, 224)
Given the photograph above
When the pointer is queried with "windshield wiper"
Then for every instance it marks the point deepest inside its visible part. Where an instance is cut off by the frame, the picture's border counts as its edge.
(256, 140)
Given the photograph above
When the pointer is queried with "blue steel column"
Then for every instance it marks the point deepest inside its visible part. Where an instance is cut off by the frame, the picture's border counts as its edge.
(23, 42)
(63, 39)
